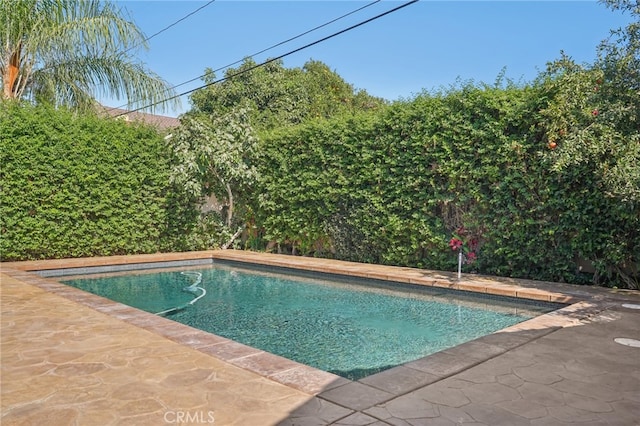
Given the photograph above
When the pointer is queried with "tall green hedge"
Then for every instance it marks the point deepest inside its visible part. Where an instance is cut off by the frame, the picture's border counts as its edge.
(388, 187)
(77, 185)
(471, 163)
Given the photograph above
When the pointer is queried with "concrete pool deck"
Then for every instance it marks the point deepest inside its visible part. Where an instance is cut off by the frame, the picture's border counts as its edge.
(69, 357)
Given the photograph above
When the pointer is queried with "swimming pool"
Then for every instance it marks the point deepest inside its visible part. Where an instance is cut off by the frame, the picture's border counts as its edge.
(349, 327)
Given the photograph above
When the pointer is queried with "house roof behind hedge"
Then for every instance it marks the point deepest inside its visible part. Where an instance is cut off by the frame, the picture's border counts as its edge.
(161, 122)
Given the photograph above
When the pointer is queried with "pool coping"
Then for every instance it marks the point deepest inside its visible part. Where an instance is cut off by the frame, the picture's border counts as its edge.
(378, 388)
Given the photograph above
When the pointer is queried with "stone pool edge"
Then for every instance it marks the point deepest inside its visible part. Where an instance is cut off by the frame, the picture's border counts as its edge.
(378, 387)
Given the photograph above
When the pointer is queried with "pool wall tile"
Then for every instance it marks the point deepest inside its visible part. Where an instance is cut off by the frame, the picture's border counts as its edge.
(98, 261)
(118, 268)
(469, 282)
(482, 289)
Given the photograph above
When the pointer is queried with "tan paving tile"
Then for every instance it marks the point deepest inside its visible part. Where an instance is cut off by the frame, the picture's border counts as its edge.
(266, 364)
(310, 379)
(501, 290)
(92, 369)
(65, 362)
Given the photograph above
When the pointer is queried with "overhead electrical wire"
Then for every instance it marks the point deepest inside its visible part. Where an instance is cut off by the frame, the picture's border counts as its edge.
(263, 50)
(161, 31)
(170, 25)
(306, 46)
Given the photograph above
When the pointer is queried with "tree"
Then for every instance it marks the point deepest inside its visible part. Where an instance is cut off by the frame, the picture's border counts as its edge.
(76, 185)
(213, 154)
(592, 127)
(279, 97)
(619, 62)
(67, 52)
(594, 113)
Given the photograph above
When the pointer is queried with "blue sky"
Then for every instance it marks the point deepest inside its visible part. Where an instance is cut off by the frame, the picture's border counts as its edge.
(424, 46)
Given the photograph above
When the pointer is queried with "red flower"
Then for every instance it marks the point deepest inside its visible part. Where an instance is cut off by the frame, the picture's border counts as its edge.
(471, 257)
(455, 244)
(595, 112)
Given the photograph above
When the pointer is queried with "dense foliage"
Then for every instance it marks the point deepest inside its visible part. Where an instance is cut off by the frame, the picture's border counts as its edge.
(214, 156)
(215, 148)
(473, 163)
(537, 181)
(276, 96)
(82, 186)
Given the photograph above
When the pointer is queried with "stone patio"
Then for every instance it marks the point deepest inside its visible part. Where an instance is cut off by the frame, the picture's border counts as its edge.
(73, 358)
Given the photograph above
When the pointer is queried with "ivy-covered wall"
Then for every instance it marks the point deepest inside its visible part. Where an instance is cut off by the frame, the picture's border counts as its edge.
(471, 164)
(76, 185)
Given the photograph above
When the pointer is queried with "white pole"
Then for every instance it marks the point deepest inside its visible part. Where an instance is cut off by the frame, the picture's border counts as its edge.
(460, 264)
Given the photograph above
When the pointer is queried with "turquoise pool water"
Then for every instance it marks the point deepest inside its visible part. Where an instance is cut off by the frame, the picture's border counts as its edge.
(352, 330)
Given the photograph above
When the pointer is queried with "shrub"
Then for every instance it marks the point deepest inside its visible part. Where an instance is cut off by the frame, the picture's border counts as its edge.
(393, 186)
(77, 185)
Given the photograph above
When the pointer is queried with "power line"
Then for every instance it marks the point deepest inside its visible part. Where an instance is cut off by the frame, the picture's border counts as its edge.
(263, 50)
(160, 32)
(306, 46)
(170, 25)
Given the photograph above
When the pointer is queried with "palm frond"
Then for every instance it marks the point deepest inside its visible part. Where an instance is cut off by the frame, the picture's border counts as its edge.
(78, 81)
(71, 51)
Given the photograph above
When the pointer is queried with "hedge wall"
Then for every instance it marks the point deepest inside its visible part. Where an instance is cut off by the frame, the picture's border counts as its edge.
(390, 187)
(76, 185)
(470, 164)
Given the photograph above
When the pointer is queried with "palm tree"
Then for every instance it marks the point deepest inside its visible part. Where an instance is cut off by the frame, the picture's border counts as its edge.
(68, 52)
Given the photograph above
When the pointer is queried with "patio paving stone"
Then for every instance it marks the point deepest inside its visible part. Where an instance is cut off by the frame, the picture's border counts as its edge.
(69, 357)
(356, 396)
(399, 380)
